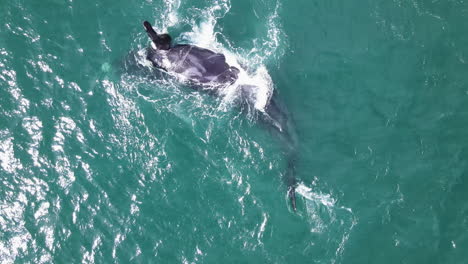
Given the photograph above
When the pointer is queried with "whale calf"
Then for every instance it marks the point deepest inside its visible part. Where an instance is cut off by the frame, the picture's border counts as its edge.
(204, 67)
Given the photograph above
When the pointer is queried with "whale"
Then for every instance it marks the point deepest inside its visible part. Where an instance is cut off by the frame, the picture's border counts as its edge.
(205, 68)
(194, 64)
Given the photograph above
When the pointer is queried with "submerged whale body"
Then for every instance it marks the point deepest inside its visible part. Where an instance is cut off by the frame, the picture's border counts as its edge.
(204, 67)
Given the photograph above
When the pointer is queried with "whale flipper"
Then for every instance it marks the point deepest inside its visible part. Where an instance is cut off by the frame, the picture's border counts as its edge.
(151, 33)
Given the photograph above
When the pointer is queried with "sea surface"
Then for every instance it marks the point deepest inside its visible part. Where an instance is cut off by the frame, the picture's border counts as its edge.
(99, 164)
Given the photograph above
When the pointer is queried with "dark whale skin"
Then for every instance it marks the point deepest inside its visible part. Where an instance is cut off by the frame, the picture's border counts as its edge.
(197, 65)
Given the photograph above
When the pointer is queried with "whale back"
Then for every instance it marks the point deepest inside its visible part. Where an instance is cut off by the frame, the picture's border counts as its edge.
(194, 64)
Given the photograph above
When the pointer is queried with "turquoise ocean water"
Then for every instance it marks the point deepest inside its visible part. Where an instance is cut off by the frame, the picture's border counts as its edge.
(99, 165)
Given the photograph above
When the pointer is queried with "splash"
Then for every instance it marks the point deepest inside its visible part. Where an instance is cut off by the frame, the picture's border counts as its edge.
(319, 198)
(172, 17)
(255, 78)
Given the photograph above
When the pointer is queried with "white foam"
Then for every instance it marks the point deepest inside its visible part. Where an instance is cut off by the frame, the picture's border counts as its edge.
(324, 214)
(324, 199)
(256, 79)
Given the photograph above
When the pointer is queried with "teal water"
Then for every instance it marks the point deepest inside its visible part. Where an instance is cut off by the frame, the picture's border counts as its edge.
(101, 166)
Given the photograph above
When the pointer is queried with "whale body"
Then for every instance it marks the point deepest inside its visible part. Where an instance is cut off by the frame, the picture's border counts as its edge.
(204, 67)
(195, 64)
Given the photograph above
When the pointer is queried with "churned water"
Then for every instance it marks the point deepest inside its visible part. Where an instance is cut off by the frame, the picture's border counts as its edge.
(102, 165)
